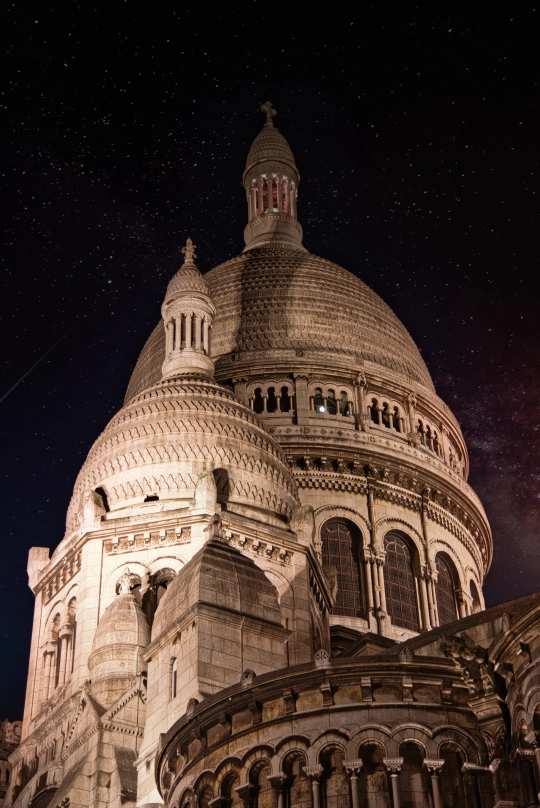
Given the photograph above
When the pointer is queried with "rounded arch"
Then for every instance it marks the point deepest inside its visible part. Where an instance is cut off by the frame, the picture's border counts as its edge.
(226, 767)
(336, 738)
(476, 603)
(399, 580)
(341, 542)
(205, 779)
(460, 739)
(446, 585)
(326, 512)
(291, 745)
(392, 524)
(264, 752)
(374, 734)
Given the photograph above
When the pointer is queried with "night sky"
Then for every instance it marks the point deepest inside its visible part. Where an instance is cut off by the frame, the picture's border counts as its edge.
(125, 128)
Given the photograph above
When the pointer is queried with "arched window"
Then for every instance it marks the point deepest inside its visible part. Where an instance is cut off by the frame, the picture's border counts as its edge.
(154, 588)
(334, 778)
(399, 583)
(297, 785)
(174, 678)
(258, 401)
(451, 779)
(331, 403)
(271, 401)
(413, 785)
(445, 592)
(344, 406)
(318, 400)
(285, 400)
(264, 794)
(205, 797)
(340, 543)
(373, 777)
(476, 603)
(375, 412)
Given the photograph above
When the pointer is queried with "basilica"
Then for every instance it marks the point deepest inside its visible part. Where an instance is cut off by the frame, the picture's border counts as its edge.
(269, 590)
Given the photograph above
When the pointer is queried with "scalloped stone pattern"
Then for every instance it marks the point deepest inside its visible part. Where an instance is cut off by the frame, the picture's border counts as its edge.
(165, 437)
(277, 298)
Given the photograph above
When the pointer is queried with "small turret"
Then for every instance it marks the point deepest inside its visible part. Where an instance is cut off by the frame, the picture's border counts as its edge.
(188, 312)
(271, 181)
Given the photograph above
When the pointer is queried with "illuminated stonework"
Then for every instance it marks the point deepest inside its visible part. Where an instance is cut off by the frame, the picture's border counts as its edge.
(261, 550)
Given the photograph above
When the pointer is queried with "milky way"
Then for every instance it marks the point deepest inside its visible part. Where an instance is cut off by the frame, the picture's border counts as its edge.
(125, 129)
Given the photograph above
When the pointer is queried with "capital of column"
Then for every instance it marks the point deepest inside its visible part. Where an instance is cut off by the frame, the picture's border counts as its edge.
(50, 648)
(246, 793)
(393, 765)
(433, 765)
(533, 737)
(277, 781)
(66, 631)
(313, 772)
(353, 767)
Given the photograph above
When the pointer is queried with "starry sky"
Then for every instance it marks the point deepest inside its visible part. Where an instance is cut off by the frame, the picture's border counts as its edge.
(125, 127)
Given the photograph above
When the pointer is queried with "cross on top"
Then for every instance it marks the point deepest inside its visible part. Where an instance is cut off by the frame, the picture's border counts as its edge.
(269, 111)
(189, 252)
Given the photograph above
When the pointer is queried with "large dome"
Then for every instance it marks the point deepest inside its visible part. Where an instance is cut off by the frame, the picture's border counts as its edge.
(289, 302)
(176, 430)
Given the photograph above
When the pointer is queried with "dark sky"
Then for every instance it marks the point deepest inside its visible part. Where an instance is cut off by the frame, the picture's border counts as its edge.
(124, 129)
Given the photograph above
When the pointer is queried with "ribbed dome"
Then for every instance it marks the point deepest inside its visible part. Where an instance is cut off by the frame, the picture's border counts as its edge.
(286, 301)
(270, 147)
(122, 634)
(164, 438)
(219, 575)
(187, 279)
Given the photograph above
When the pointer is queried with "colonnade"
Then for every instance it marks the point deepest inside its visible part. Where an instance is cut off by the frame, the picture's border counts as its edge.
(58, 660)
(353, 769)
(188, 331)
(261, 197)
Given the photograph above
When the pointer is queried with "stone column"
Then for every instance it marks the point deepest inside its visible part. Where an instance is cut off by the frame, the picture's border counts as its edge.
(260, 206)
(434, 767)
(314, 774)
(270, 193)
(302, 404)
(424, 600)
(366, 558)
(411, 404)
(254, 211)
(178, 333)
(277, 781)
(205, 336)
(352, 768)
(280, 193)
(49, 670)
(526, 777)
(382, 588)
(393, 767)
(64, 637)
(188, 331)
(360, 386)
(470, 783)
(197, 326)
(534, 739)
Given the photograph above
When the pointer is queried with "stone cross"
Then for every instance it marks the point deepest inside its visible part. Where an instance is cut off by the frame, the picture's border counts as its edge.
(270, 112)
(189, 252)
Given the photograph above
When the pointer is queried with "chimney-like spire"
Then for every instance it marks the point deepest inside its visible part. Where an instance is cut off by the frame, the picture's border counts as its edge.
(271, 181)
(187, 312)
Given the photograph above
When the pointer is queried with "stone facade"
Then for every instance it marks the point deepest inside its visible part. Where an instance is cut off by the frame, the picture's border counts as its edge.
(10, 737)
(269, 591)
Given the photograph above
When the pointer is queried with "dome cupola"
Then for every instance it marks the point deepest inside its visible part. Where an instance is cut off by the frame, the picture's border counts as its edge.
(271, 181)
(187, 312)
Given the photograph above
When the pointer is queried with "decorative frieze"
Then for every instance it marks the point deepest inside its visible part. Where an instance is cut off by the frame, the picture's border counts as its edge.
(136, 541)
(61, 575)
